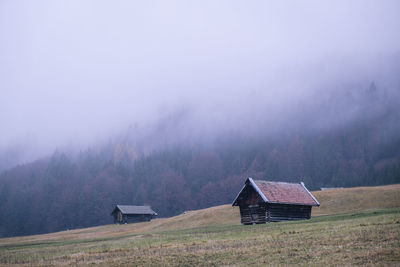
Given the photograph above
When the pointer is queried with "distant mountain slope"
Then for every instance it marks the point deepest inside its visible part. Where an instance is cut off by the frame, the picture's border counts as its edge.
(349, 138)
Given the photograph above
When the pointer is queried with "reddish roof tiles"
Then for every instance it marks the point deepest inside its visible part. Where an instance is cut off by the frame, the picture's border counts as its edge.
(291, 193)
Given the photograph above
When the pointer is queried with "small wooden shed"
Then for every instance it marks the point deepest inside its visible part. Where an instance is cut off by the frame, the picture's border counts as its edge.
(262, 201)
(131, 214)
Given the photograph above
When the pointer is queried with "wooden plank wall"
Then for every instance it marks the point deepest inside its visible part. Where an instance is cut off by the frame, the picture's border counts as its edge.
(283, 212)
(132, 218)
(253, 214)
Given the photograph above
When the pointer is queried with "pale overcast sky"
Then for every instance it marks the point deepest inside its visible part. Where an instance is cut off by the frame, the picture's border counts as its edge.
(79, 70)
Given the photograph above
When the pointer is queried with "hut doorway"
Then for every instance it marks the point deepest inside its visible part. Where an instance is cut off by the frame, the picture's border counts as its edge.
(253, 213)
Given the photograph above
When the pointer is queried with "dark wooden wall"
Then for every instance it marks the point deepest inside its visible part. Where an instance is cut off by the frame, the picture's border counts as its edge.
(285, 212)
(253, 214)
(132, 218)
(262, 213)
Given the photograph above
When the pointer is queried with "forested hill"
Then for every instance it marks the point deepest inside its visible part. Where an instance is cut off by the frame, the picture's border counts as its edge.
(66, 192)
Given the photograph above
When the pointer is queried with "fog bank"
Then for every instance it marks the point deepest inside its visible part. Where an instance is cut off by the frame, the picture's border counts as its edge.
(75, 73)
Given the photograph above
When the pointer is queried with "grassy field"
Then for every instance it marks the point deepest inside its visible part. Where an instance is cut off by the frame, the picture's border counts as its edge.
(366, 232)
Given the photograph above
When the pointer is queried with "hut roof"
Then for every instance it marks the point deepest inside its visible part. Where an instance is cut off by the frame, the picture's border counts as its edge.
(129, 209)
(280, 192)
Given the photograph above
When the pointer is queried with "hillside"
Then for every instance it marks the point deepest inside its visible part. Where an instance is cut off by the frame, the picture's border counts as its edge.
(338, 201)
(365, 233)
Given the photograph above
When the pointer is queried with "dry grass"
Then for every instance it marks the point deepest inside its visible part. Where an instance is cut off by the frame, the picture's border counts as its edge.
(356, 199)
(370, 238)
(367, 239)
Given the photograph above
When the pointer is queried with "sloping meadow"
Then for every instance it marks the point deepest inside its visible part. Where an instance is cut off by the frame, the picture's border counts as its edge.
(358, 226)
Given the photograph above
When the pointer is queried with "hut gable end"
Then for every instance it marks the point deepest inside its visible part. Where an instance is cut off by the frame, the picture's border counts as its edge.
(249, 196)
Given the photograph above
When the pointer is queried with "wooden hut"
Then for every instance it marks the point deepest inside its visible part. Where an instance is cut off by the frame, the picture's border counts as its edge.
(131, 214)
(263, 201)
